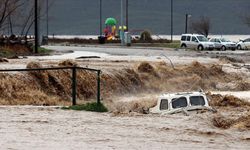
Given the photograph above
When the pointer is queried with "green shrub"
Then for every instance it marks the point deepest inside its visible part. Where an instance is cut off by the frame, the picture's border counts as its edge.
(88, 107)
(44, 50)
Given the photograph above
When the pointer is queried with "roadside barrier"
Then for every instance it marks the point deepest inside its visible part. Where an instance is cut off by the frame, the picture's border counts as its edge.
(73, 78)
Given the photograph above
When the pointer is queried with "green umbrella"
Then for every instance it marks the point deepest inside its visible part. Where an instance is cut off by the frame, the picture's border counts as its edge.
(110, 21)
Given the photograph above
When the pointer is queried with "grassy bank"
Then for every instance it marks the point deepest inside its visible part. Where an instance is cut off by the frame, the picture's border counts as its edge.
(88, 107)
(9, 51)
(43, 51)
(12, 51)
(174, 44)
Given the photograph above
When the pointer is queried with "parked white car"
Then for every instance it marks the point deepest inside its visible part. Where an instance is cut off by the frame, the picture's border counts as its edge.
(244, 44)
(171, 103)
(223, 44)
(196, 41)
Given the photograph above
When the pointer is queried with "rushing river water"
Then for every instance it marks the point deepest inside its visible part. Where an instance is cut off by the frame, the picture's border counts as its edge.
(79, 17)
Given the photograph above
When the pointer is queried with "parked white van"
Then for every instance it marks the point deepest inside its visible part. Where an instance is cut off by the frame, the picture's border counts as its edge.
(196, 41)
(171, 103)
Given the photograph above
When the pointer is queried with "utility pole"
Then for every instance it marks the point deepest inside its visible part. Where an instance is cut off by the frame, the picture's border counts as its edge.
(100, 17)
(122, 28)
(127, 14)
(36, 26)
(186, 25)
(47, 17)
(172, 21)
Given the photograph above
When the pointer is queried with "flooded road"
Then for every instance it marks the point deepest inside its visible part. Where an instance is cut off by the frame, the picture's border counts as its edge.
(51, 128)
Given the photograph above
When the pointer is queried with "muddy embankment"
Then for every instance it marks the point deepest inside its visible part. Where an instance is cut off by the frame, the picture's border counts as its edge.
(54, 87)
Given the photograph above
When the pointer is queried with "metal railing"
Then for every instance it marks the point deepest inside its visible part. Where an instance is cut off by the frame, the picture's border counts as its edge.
(73, 78)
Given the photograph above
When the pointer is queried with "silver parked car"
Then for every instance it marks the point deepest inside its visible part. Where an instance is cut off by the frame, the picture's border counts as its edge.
(244, 44)
(223, 44)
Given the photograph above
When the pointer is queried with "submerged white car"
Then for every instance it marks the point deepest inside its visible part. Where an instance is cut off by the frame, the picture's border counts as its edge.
(171, 103)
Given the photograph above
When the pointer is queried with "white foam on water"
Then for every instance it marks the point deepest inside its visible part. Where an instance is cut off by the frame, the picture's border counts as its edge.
(73, 55)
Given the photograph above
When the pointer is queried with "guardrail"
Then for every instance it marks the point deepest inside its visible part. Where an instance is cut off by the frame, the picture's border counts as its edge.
(73, 78)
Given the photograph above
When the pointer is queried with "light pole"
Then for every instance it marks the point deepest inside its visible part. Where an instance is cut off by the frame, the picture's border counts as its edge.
(100, 17)
(172, 21)
(127, 14)
(36, 26)
(186, 25)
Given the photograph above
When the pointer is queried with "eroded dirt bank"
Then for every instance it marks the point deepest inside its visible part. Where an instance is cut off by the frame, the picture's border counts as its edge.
(54, 87)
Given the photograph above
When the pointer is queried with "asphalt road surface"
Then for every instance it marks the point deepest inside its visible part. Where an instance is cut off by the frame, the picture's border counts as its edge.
(156, 52)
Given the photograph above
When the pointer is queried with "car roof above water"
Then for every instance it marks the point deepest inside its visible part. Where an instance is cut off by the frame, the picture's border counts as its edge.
(181, 94)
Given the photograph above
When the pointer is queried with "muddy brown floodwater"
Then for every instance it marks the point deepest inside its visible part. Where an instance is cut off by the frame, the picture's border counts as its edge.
(51, 128)
(129, 85)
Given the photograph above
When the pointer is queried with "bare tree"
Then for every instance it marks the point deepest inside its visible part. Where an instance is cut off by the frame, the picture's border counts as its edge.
(18, 15)
(246, 20)
(27, 20)
(7, 8)
(201, 26)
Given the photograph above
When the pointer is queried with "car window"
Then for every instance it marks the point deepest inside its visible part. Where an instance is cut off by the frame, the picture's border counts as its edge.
(188, 38)
(247, 40)
(194, 39)
(197, 101)
(217, 40)
(179, 102)
(164, 104)
(225, 40)
(202, 38)
(212, 40)
(183, 38)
